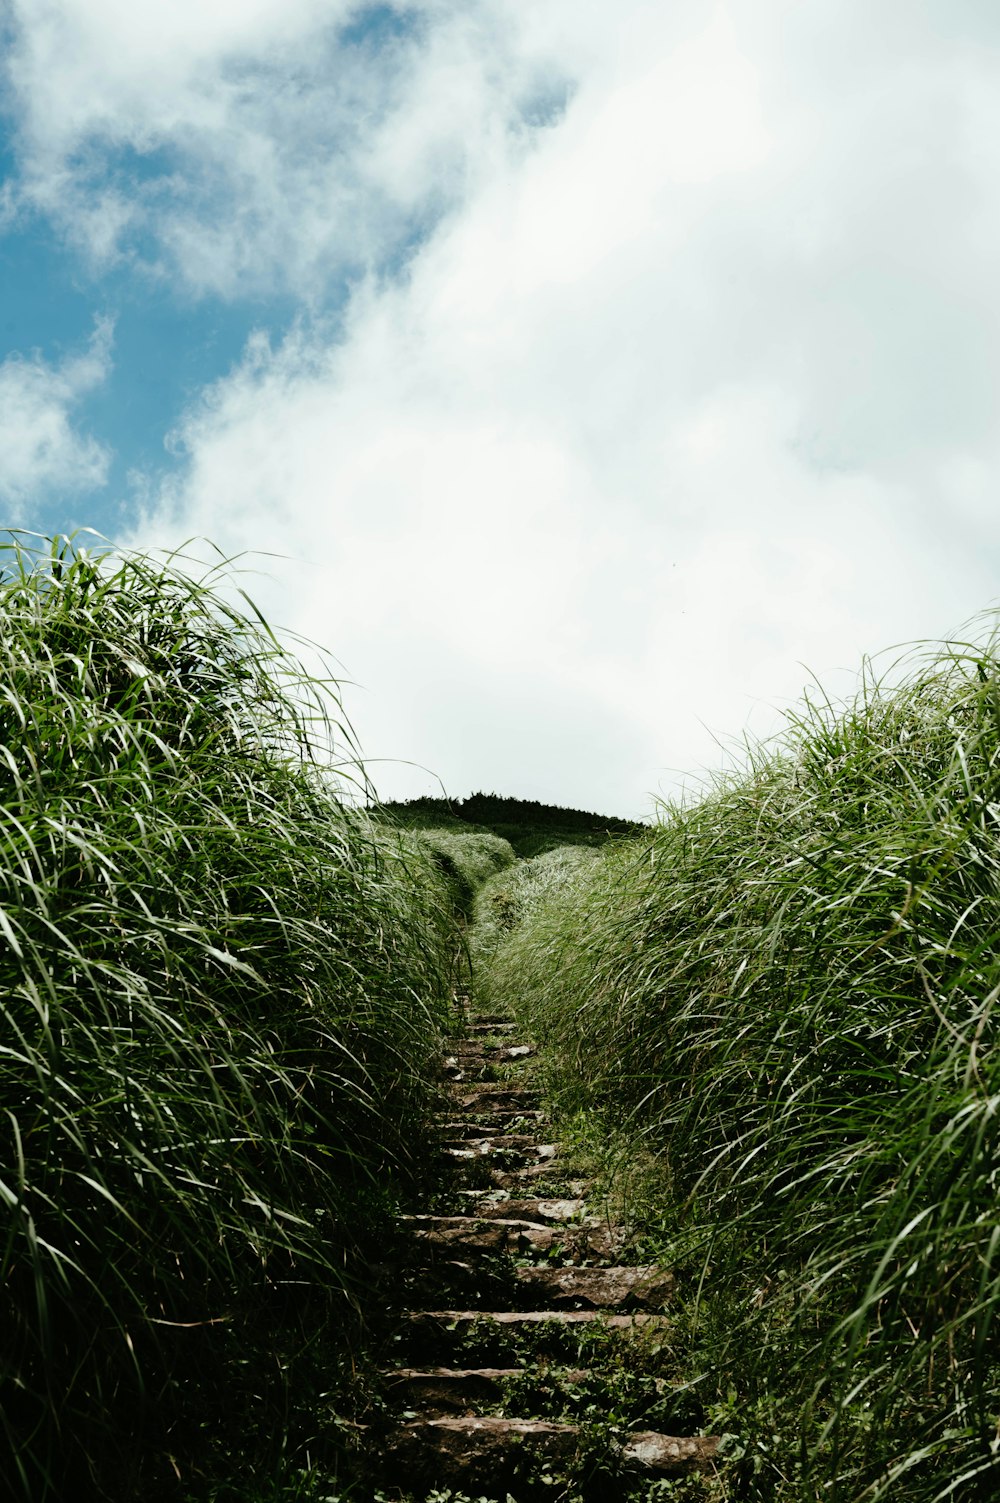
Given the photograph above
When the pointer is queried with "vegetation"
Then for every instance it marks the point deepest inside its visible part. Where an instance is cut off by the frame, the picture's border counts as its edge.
(531, 828)
(785, 995)
(505, 900)
(465, 861)
(225, 985)
(223, 988)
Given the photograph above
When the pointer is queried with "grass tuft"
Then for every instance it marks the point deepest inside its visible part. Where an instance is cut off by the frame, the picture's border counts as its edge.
(222, 992)
(787, 993)
(506, 900)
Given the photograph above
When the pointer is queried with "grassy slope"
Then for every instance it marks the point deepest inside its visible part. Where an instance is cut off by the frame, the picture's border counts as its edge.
(787, 994)
(466, 859)
(222, 990)
(509, 897)
(530, 827)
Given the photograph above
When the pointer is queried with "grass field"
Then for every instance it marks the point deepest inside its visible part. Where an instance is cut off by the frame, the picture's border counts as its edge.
(783, 1001)
(223, 987)
(226, 980)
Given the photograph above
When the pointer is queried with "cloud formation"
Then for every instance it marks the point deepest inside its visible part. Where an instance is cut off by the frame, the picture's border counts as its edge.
(688, 387)
(258, 146)
(40, 449)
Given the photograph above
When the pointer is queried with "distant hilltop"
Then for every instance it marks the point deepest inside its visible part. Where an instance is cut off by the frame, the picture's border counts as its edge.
(530, 826)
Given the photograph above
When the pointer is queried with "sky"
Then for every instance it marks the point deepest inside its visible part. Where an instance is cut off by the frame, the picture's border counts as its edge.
(586, 376)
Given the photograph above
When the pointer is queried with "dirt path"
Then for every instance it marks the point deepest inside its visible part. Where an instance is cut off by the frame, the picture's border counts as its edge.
(529, 1359)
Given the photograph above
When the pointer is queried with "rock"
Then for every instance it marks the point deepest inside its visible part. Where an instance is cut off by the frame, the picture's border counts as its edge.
(536, 1210)
(655, 1455)
(598, 1288)
(493, 1095)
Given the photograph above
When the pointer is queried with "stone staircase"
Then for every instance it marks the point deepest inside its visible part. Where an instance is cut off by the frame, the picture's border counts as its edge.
(531, 1353)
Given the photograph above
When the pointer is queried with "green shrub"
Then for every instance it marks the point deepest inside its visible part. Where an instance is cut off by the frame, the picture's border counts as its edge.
(222, 989)
(790, 990)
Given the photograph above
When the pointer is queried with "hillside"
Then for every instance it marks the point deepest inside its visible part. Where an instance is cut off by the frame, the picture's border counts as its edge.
(762, 1035)
(532, 828)
(775, 1017)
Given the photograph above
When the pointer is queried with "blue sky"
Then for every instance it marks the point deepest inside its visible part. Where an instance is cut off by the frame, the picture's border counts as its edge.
(165, 350)
(169, 341)
(600, 374)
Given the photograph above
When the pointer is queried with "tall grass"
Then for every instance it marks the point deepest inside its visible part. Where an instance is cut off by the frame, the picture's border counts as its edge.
(789, 990)
(466, 861)
(222, 989)
(510, 897)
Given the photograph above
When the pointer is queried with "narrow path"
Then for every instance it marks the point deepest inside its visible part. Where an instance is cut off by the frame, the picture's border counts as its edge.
(528, 1363)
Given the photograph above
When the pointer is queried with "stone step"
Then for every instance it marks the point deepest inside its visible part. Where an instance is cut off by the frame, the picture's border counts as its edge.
(558, 1290)
(457, 1320)
(451, 1390)
(541, 1209)
(476, 1151)
(503, 1116)
(473, 1452)
(523, 1179)
(501, 1161)
(474, 1234)
(511, 1155)
(494, 1096)
(495, 1161)
(490, 1026)
(597, 1288)
(471, 1052)
(476, 1070)
(469, 1133)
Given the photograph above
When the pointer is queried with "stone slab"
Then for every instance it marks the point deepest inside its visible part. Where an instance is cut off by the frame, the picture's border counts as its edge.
(541, 1210)
(598, 1288)
(453, 1319)
(471, 1451)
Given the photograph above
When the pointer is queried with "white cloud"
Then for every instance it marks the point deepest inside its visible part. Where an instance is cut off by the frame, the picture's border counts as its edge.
(248, 147)
(692, 396)
(40, 450)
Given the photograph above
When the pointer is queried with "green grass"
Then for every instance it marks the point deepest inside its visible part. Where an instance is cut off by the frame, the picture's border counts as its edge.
(465, 861)
(223, 989)
(504, 901)
(530, 827)
(785, 997)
